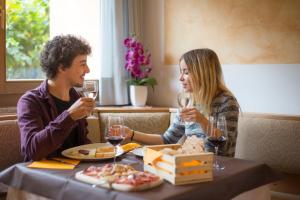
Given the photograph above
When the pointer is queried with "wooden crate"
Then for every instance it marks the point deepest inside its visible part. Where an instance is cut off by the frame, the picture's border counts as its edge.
(179, 169)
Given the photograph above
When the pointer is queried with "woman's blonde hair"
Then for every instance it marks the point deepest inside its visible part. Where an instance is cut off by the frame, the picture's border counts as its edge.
(206, 76)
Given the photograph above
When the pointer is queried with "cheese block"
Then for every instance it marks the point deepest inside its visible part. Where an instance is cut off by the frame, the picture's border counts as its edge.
(105, 152)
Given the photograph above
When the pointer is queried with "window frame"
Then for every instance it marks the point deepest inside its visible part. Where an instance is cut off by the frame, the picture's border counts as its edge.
(10, 86)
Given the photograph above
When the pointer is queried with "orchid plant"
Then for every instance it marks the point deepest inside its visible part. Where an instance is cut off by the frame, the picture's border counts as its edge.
(138, 63)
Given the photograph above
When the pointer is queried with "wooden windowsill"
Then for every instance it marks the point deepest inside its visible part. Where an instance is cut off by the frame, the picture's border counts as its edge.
(131, 109)
(271, 116)
(4, 117)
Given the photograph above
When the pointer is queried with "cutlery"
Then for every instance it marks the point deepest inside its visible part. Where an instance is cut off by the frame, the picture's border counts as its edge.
(61, 161)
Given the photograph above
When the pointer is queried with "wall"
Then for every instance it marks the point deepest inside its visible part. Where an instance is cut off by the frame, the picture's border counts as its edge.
(241, 32)
(265, 88)
(81, 19)
(8, 100)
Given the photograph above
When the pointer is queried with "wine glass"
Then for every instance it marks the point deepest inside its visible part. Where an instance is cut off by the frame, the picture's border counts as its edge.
(183, 100)
(90, 90)
(217, 136)
(115, 133)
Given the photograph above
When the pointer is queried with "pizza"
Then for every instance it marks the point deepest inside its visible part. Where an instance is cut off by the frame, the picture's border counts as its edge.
(119, 177)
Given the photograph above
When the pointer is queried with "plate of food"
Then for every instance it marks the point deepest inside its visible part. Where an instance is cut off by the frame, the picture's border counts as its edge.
(119, 177)
(90, 152)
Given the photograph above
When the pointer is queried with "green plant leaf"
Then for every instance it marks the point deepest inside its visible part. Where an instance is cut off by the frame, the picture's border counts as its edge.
(149, 81)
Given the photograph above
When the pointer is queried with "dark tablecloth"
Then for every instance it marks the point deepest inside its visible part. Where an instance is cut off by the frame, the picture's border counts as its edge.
(239, 176)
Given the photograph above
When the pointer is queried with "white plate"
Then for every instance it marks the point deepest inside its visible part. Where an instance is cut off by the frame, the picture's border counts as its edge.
(92, 149)
(138, 151)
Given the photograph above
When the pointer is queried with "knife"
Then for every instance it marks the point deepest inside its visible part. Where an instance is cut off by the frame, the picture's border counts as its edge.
(61, 161)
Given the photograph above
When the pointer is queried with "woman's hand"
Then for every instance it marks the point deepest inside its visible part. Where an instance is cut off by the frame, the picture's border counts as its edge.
(192, 115)
(128, 132)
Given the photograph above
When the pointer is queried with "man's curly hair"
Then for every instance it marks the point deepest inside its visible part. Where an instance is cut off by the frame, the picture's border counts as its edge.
(61, 51)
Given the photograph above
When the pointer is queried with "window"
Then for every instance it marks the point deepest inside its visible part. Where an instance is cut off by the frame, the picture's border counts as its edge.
(29, 24)
(27, 30)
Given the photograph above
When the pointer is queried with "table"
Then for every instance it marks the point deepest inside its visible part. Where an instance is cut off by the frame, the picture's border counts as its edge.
(238, 177)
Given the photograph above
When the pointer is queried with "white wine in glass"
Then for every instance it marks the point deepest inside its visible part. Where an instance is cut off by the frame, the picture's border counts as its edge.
(90, 90)
(184, 100)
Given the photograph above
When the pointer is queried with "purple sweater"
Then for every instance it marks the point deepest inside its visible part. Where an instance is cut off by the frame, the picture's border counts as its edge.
(43, 131)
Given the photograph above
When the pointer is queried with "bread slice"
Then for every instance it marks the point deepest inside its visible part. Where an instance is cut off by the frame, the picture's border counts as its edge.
(193, 145)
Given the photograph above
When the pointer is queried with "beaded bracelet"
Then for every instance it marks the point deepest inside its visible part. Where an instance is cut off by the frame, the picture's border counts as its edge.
(132, 135)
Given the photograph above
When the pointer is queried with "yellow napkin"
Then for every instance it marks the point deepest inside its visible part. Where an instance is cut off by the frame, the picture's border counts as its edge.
(152, 156)
(130, 146)
(55, 163)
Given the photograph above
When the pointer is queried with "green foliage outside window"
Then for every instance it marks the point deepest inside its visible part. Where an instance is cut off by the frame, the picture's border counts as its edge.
(27, 30)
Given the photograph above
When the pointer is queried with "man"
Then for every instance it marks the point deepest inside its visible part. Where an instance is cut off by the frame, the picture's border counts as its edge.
(52, 116)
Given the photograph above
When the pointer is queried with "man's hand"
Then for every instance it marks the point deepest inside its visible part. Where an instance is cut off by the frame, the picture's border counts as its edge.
(82, 108)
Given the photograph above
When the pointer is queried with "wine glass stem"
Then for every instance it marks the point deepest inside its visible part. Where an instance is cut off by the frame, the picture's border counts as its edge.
(216, 153)
(180, 119)
(91, 114)
(115, 155)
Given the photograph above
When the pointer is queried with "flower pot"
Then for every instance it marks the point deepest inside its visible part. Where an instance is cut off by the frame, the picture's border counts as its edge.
(138, 95)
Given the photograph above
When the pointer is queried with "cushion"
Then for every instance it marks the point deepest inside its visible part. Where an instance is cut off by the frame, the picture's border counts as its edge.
(10, 146)
(272, 141)
(154, 123)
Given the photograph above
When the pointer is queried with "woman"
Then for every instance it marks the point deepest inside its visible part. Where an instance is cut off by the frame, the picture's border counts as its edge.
(201, 76)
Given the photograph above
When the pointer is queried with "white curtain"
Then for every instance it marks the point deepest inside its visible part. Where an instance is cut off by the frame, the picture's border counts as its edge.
(119, 19)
